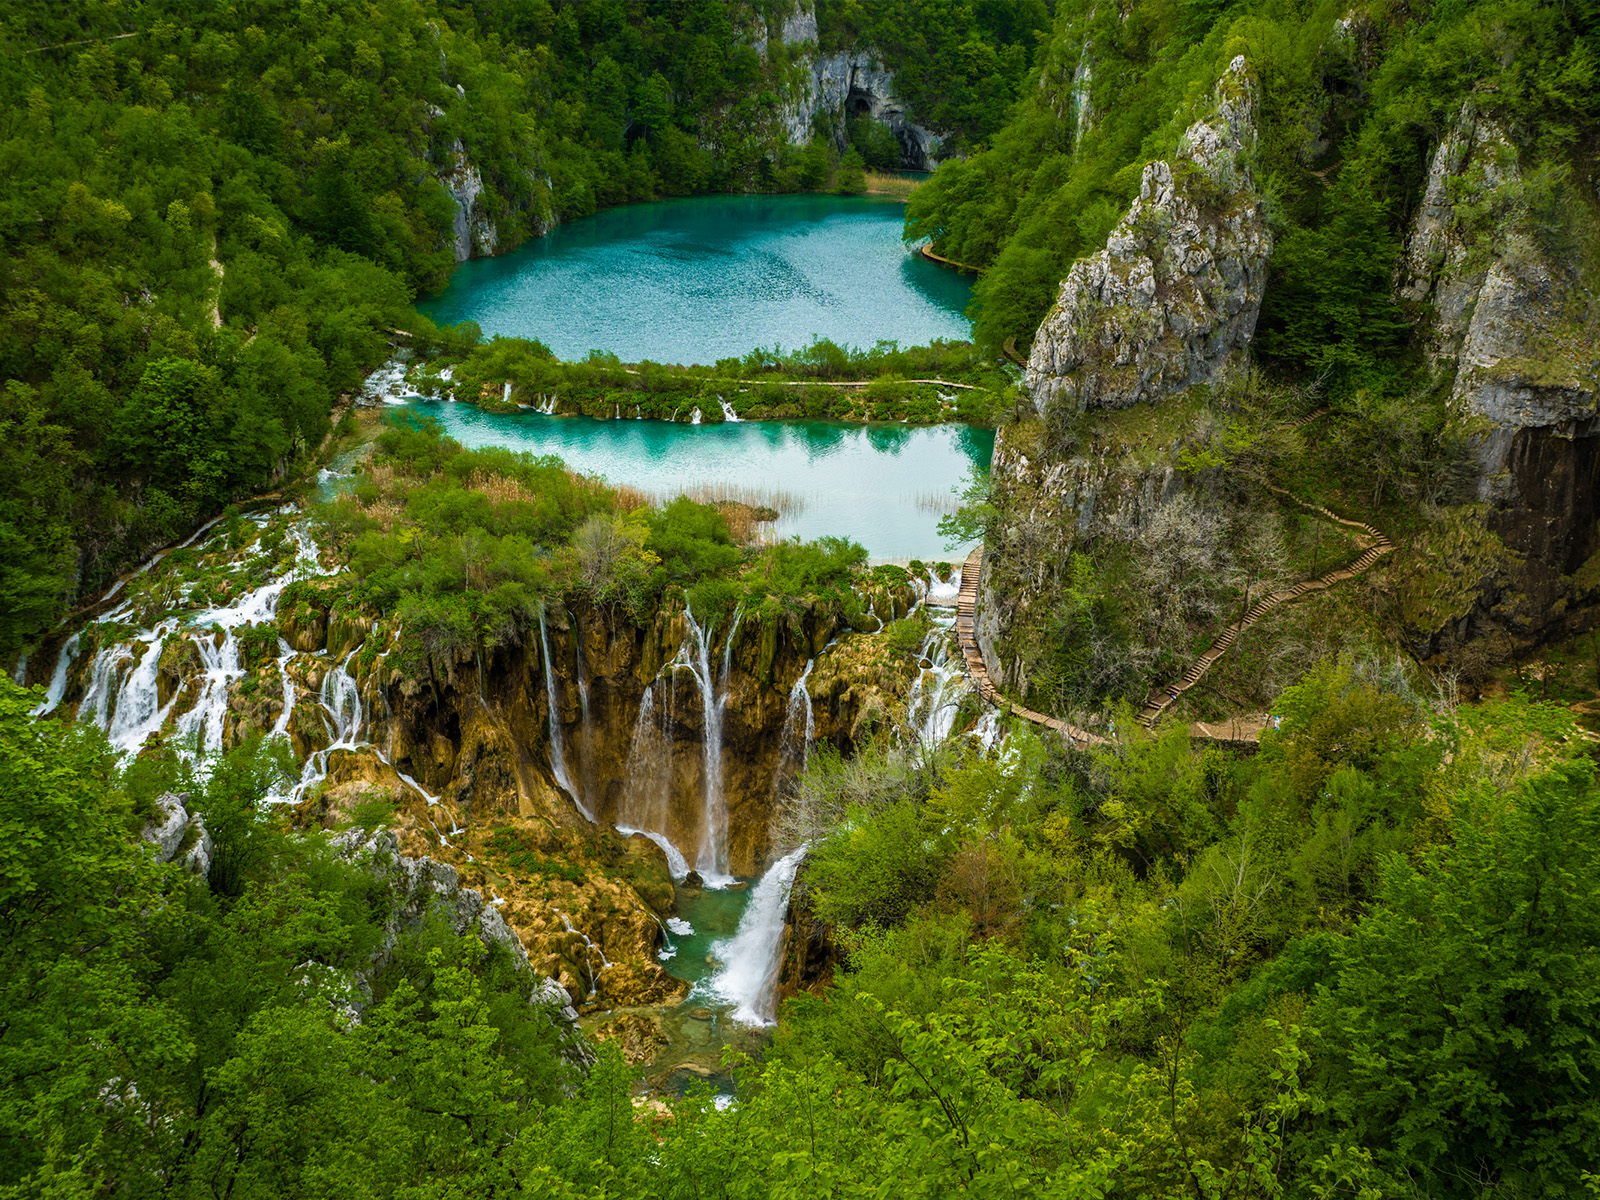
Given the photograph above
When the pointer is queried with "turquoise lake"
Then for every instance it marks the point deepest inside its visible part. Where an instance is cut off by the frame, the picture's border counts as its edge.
(883, 485)
(695, 280)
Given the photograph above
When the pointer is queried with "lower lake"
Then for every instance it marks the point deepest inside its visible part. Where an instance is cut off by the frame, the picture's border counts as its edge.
(883, 485)
(695, 280)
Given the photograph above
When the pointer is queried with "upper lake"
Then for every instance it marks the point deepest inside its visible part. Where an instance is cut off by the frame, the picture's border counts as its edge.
(692, 281)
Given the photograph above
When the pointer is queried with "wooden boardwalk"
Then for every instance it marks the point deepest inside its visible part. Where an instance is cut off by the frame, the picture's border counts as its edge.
(978, 673)
(947, 262)
(1239, 730)
(1162, 699)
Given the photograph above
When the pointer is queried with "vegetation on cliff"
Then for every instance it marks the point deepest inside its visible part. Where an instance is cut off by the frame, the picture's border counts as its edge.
(1359, 963)
(215, 215)
(1351, 103)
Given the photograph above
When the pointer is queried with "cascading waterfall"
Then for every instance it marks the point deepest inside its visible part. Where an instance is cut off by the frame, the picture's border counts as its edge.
(942, 594)
(712, 859)
(937, 691)
(558, 755)
(799, 726)
(285, 654)
(605, 963)
(728, 413)
(749, 978)
(58, 680)
(137, 711)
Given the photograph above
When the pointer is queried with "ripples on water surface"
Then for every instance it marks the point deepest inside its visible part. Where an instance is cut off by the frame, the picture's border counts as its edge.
(692, 281)
(867, 482)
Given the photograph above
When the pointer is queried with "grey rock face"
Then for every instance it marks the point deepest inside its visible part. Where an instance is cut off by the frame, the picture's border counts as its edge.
(1519, 326)
(166, 828)
(174, 827)
(422, 883)
(1178, 286)
(857, 82)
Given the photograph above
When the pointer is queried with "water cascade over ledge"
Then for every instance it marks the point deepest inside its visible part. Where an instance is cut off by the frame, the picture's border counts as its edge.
(749, 978)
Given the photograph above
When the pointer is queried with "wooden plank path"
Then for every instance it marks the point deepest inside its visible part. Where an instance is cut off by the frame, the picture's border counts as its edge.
(1236, 730)
(947, 262)
(1159, 701)
(978, 673)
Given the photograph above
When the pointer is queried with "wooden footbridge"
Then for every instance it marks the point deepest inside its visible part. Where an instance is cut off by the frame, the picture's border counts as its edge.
(1244, 729)
(978, 673)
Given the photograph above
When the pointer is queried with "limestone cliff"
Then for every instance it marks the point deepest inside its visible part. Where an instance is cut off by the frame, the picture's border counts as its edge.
(1510, 321)
(843, 84)
(1177, 289)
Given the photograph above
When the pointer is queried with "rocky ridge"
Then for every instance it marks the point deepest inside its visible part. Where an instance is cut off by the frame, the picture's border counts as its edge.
(1177, 288)
(1509, 319)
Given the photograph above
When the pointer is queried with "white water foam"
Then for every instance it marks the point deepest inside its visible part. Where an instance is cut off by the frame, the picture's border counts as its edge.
(749, 978)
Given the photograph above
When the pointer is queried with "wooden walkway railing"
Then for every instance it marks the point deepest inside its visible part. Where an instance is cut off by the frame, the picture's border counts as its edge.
(1242, 729)
(978, 673)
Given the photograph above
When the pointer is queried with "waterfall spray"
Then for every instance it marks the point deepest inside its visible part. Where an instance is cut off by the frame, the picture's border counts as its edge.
(749, 981)
(558, 756)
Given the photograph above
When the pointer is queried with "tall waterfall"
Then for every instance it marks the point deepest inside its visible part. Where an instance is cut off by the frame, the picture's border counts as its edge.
(58, 681)
(712, 858)
(799, 726)
(749, 980)
(558, 755)
(646, 805)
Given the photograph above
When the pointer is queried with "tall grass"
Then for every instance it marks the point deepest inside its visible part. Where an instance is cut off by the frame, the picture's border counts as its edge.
(784, 503)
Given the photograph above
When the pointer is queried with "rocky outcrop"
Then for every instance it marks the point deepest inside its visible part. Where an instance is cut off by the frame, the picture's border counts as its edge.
(1507, 310)
(1177, 288)
(180, 836)
(838, 86)
(474, 233)
(809, 953)
(420, 886)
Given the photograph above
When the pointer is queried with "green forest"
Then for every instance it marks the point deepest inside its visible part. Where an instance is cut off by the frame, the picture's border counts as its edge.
(1356, 955)
(215, 214)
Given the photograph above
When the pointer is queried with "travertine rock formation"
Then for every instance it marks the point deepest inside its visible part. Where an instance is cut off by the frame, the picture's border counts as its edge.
(1177, 288)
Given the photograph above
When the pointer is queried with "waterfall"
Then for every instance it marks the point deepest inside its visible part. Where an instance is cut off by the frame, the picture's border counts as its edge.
(20, 675)
(677, 865)
(137, 711)
(694, 417)
(285, 653)
(799, 726)
(712, 859)
(58, 680)
(749, 980)
(558, 756)
(219, 656)
(505, 396)
(727, 411)
(941, 594)
(937, 691)
(646, 802)
(605, 963)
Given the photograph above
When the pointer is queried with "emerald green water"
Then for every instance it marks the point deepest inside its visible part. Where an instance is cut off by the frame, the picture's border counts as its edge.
(878, 484)
(692, 281)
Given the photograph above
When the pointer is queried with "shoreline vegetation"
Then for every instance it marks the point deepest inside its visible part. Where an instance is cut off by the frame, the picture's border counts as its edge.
(920, 385)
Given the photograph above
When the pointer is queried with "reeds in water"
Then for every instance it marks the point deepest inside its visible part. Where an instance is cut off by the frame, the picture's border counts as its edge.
(776, 500)
(942, 503)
